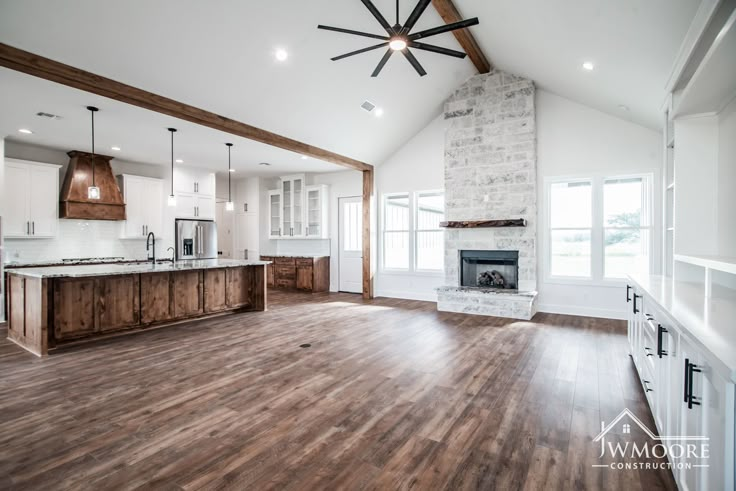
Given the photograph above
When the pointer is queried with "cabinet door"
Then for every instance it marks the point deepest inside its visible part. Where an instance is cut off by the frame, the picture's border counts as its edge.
(274, 203)
(44, 201)
(154, 207)
(74, 308)
(156, 299)
(135, 207)
(206, 208)
(246, 244)
(118, 302)
(16, 222)
(184, 180)
(304, 275)
(205, 183)
(188, 298)
(691, 419)
(714, 404)
(287, 223)
(314, 212)
(297, 204)
(239, 282)
(215, 290)
(185, 206)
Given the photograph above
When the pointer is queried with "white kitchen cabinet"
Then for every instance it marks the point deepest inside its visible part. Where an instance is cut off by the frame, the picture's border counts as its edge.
(292, 206)
(247, 195)
(32, 199)
(189, 180)
(274, 214)
(247, 242)
(317, 219)
(143, 206)
(194, 206)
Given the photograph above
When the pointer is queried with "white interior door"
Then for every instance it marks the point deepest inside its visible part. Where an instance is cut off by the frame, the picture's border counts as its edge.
(350, 218)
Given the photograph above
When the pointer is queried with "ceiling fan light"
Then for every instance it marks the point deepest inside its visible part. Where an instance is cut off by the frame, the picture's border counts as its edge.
(397, 44)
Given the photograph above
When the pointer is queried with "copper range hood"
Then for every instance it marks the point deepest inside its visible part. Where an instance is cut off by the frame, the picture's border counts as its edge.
(74, 202)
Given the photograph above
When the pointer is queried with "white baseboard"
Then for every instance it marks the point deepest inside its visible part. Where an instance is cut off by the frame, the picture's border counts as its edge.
(404, 295)
(582, 311)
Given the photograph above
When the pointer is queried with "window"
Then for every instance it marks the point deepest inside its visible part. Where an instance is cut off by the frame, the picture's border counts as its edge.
(396, 228)
(599, 227)
(571, 224)
(430, 238)
(412, 237)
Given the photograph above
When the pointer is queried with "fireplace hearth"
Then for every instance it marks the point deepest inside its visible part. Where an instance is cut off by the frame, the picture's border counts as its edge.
(493, 270)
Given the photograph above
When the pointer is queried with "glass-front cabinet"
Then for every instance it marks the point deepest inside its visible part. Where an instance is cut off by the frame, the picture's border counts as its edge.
(274, 214)
(292, 206)
(298, 211)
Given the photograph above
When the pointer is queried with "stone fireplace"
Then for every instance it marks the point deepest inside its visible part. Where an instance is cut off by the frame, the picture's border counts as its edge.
(491, 196)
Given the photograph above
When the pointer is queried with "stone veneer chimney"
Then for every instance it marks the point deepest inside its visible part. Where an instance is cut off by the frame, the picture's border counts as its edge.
(490, 174)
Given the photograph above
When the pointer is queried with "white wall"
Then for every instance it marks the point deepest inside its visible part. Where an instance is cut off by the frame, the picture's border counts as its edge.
(727, 181)
(573, 139)
(418, 166)
(341, 185)
(87, 238)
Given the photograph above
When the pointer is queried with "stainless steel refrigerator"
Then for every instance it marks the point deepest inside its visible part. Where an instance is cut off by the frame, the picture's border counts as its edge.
(196, 239)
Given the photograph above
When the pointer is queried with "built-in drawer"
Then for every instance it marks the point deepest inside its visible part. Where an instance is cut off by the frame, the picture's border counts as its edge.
(286, 283)
(285, 273)
(284, 260)
(304, 262)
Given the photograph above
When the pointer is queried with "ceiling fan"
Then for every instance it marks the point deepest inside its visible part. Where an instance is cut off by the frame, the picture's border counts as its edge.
(400, 38)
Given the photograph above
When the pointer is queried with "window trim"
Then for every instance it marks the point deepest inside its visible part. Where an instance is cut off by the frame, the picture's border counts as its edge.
(416, 230)
(413, 197)
(597, 243)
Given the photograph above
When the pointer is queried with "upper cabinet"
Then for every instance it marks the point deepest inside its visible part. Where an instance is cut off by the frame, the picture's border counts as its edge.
(32, 199)
(144, 206)
(297, 210)
(195, 193)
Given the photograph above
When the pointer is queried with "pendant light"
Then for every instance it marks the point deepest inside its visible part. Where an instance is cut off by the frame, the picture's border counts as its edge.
(229, 206)
(172, 198)
(93, 192)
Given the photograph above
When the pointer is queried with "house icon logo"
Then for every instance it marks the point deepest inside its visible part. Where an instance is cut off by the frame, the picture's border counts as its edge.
(628, 453)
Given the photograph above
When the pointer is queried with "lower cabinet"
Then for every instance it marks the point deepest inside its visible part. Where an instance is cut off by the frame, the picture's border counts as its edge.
(215, 290)
(156, 298)
(187, 291)
(118, 302)
(688, 397)
(310, 274)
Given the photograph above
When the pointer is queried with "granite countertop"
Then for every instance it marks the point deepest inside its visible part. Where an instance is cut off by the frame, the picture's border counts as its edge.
(132, 268)
(66, 262)
(306, 256)
(707, 322)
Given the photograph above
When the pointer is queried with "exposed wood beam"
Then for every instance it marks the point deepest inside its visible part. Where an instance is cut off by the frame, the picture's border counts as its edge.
(368, 270)
(48, 69)
(450, 14)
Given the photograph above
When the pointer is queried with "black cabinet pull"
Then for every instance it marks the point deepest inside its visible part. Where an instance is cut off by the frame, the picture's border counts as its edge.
(692, 368)
(628, 289)
(636, 311)
(660, 330)
(687, 373)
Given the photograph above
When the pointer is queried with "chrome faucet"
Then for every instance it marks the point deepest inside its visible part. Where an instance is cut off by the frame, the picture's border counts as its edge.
(173, 254)
(151, 243)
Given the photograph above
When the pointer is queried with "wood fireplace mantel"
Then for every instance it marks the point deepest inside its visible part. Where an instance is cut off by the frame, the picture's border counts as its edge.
(511, 222)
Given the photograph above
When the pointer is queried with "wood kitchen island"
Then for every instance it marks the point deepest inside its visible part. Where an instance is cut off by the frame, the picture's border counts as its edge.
(53, 306)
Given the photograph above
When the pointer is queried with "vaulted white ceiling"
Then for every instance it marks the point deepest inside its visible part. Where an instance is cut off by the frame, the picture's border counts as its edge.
(220, 56)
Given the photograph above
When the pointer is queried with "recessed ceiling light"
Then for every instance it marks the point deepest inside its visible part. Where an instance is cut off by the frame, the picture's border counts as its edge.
(304, 157)
(115, 149)
(588, 65)
(264, 163)
(25, 131)
(232, 170)
(179, 161)
(281, 55)
(378, 112)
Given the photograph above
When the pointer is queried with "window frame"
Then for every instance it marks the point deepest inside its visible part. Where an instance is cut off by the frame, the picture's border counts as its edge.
(413, 197)
(597, 242)
(416, 230)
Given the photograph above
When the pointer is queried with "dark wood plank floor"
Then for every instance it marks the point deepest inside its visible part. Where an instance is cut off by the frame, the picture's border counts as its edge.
(391, 394)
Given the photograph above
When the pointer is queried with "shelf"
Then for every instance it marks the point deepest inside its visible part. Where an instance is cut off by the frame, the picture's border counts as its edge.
(718, 263)
(510, 222)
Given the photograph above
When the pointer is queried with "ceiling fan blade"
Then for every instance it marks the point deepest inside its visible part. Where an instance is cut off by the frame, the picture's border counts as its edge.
(446, 28)
(380, 18)
(350, 31)
(437, 49)
(381, 63)
(357, 52)
(414, 62)
(414, 16)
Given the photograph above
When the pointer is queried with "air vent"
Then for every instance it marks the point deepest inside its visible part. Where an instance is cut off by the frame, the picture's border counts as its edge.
(47, 115)
(368, 106)
(264, 163)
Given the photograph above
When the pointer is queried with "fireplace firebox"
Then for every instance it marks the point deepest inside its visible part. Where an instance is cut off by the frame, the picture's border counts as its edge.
(497, 270)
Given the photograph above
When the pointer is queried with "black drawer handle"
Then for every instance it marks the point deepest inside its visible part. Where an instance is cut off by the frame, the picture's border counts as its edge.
(691, 399)
(628, 289)
(636, 310)
(660, 330)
